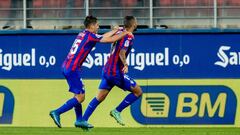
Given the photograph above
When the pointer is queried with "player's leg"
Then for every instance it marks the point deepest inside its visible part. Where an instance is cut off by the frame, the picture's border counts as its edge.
(79, 121)
(136, 91)
(68, 105)
(78, 107)
(104, 89)
(102, 94)
(76, 87)
(90, 109)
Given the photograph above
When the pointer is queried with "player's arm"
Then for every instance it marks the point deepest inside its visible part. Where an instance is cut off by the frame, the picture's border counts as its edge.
(111, 33)
(122, 56)
(113, 38)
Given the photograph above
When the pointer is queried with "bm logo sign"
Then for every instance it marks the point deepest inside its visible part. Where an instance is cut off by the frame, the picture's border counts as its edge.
(6, 105)
(185, 105)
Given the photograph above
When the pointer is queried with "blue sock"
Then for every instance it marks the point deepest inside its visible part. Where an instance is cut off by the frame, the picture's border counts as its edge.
(129, 99)
(91, 107)
(78, 111)
(67, 106)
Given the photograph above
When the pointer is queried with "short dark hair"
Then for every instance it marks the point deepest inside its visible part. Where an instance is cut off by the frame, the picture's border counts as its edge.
(128, 21)
(89, 20)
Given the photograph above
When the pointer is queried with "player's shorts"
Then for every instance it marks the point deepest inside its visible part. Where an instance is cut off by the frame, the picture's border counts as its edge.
(123, 81)
(75, 83)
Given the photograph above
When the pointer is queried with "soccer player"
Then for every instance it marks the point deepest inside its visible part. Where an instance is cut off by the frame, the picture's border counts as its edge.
(82, 46)
(114, 74)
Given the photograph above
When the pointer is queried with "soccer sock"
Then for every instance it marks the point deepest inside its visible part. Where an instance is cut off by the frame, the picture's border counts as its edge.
(129, 99)
(78, 111)
(91, 107)
(67, 106)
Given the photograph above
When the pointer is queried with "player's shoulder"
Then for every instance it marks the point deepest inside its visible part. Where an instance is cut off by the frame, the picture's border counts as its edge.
(87, 32)
(95, 35)
(82, 34)
(130, 36)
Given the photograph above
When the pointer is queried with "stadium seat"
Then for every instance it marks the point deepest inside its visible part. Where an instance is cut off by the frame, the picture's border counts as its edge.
(220, 2)
(38, 4)
(164, 3)
(185, 3)
(211, 2)
(4, 4)
(234, 2)
(191, 3)
(128, 3)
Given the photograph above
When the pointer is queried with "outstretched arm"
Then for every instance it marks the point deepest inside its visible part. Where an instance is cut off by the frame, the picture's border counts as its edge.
(113, 38)
(112, 32)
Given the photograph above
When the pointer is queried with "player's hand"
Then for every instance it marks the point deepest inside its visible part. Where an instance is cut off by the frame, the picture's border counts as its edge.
(125, 69)
(115, 27)
(120, 28)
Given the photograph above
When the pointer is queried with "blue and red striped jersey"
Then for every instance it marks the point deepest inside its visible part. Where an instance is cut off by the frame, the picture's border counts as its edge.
(114, 64)
(81, 47)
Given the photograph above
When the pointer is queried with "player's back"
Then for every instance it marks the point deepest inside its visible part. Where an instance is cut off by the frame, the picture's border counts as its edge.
(114, 64)
(81, 47)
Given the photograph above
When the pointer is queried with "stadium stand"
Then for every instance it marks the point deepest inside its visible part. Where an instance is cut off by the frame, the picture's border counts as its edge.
(69, 14)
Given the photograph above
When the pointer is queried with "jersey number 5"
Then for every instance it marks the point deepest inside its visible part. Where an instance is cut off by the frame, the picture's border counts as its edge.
(75, 46)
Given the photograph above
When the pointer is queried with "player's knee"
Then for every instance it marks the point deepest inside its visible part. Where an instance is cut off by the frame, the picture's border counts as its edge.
(137, 91)
(101, 97)
(102, 94)
(80, 100)
(80, 97)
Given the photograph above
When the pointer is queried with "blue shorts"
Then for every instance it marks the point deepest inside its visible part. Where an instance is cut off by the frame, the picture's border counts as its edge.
(123, 81)
(75, 83)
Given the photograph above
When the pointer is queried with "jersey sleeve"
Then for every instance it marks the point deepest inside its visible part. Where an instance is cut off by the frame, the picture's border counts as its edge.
(126, 42)
(95, 37)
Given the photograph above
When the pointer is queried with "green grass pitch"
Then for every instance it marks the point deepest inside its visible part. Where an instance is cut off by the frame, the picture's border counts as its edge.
(118, 131)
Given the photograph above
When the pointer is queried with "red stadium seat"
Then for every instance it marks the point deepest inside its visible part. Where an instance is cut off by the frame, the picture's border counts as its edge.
(78, 13)
(79, 3)
(211, 2)
(184, 2)
(162, 12)
(191, 3)
(206, 3)
(51, 4)
(128, 3)
(220, 2)
(5, 4)
(164, 2)
(234, 2)
(38, 4)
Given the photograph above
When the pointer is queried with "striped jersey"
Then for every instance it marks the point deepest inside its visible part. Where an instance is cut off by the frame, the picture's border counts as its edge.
(81, 47)
(114, 64)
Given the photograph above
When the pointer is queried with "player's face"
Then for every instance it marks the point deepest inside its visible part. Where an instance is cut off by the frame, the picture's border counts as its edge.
(96, 27)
